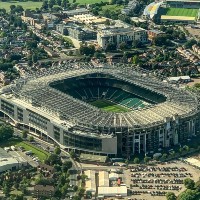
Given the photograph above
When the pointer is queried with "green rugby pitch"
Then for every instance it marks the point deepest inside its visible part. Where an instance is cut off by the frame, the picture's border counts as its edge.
(109, 106)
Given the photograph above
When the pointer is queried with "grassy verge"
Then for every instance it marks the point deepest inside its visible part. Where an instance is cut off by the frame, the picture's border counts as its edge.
(40, 153)
(69, 41)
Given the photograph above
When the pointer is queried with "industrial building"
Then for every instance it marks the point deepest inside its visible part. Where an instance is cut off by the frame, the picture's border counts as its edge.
(99, 183)
(10, 162)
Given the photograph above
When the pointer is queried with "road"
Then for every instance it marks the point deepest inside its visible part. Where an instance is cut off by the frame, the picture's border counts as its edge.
(45, 145)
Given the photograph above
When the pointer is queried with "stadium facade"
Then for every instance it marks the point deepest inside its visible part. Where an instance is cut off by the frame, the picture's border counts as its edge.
(57, 104)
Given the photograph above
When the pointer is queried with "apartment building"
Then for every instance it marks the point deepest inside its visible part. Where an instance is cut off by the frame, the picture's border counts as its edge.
(117, 35)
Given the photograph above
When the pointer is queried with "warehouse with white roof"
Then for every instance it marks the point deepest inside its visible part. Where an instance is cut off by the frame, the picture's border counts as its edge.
(10, 162)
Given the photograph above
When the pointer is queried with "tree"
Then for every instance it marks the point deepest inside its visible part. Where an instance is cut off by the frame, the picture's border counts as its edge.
(189, 183)
(136, 161)
(135, 59)
(182, 36)
(180, 150)
(45, 5)
(59, 2)
(107, 22)
(64, 189)
(197, 185)
(122, 46)
(12, 7)
(51, 3)
(81, 192)
(66, 166)
(189, 195)
(136, 44)
(83, 178)
(186, 148)
(87, 50)
(34, 58)
(57, 150)
(170, 196)
(75, 188)
(19, 9)
(164, 157)
(126, 162)
(6, 132)
(31, 138)
(146, 159)
(99, 55)
(190, 43)
(64, 3)
(72, 154)
(53, 159)
(111, 47)
(6, 190)
(24, 134)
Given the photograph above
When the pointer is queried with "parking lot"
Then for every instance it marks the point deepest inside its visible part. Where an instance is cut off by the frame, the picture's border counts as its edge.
(153, 182)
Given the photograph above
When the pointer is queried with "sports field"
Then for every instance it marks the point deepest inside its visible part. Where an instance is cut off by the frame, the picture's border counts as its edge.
(33, 5)
(186, 12)
(26, 5)
(108, 106)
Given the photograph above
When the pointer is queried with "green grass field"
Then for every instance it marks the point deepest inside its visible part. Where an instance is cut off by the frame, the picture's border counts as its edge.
(109, 106)
(182, 12)
(112, 7)
(26, 5)
(33, 5)
(40, 153)
(83, 2)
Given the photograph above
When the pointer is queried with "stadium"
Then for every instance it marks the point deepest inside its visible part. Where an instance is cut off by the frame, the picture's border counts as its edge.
(103, 110)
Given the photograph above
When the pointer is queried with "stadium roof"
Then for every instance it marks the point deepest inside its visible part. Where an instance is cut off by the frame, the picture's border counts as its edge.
(152, 9)
(33, 92)
(178, 18)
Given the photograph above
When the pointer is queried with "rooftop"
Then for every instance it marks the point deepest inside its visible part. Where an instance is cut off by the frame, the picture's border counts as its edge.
(94, 158)
(180, 18)
(47, 188)
(107, 191)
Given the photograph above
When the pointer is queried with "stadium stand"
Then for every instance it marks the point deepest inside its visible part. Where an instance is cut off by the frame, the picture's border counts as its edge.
(57, 102)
